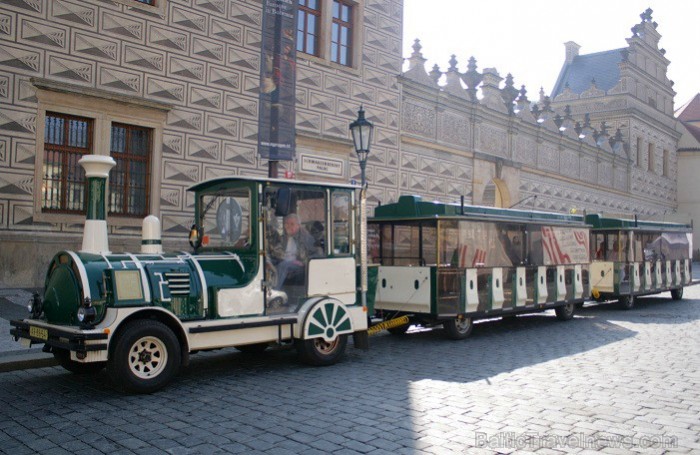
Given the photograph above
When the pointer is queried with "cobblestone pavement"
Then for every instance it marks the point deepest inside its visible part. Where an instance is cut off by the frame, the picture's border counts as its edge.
(621, 379)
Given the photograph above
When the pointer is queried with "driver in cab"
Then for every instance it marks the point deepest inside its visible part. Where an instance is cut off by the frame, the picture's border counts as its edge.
(292, 251)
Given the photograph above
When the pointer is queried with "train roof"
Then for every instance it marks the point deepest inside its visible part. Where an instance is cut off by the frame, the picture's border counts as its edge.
(413, 207)
(237, 178)
(598, 221)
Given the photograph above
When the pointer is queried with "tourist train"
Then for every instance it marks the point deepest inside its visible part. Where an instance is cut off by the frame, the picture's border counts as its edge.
(276, 261)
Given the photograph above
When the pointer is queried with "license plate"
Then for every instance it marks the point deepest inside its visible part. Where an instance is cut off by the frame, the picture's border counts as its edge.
(38, 332)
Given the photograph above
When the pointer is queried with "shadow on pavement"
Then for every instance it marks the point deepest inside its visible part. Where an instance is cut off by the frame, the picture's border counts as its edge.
(661, 308)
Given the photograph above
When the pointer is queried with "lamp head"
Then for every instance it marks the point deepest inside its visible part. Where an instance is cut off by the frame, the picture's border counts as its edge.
(362, 130)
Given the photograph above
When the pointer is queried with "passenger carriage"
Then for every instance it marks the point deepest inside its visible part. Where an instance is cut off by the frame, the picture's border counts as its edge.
(631, 258)
(141, 315)
(448, 264)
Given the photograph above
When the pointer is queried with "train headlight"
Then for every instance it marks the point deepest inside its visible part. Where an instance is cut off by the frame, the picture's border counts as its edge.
(86, 312)
(35, 306)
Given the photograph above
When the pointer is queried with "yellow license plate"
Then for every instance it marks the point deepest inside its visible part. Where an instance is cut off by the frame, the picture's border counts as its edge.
(38, 332)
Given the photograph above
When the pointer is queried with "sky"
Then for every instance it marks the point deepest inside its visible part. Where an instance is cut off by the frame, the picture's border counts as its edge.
(526, 37)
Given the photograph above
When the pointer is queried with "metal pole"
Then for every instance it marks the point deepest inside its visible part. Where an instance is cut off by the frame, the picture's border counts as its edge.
(363, 236)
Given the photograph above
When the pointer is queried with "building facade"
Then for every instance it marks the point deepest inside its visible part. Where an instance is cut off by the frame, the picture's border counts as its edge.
(170, 89)
(689, 165)
(603, 140)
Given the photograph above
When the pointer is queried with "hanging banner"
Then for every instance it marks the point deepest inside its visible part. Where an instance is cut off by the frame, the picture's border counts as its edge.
(276, 118)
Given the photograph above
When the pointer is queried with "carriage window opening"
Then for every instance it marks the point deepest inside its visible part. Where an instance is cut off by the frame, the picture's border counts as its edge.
(638, 252)
(406, 245)
(374, 243)
(429, 254)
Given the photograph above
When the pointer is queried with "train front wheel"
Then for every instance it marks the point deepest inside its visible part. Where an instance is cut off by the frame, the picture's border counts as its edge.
(146, 357)
(458, 328)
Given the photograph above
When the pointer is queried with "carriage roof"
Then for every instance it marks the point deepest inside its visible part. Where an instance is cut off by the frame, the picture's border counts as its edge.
(414, 208)
(600, 222)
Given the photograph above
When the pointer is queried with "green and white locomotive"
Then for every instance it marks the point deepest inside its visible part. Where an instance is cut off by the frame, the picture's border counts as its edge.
(142, 315)
(449, 264)
(631, 258)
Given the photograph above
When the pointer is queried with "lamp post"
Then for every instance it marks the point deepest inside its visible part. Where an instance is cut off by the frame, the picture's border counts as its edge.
(361, 130)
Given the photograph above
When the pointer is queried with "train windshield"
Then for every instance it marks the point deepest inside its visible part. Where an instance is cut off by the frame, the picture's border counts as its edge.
(225, 219)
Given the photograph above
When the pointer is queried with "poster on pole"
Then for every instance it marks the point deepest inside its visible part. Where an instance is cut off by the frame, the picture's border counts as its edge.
(276, 118)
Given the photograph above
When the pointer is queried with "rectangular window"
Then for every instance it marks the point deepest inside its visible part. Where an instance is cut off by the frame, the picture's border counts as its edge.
(66, 139)
(651, 157)
(147, 2)
(308, 19)
(666, 164)
(128, 182)
(639, 152)
(341, 33)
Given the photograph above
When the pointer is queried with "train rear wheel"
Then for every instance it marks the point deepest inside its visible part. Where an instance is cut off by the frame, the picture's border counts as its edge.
(145, 358)
(625, 302)
(565, 312)
(677, 294)
(458, 328)
(319, 352)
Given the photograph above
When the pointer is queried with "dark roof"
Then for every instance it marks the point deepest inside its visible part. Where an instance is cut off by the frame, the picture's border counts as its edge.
(601, 66)
(690, 111)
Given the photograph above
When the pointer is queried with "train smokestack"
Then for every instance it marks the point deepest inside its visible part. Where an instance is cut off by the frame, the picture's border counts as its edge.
(97, 169)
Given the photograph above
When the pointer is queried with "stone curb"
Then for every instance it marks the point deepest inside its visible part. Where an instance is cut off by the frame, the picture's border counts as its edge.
(21, 360)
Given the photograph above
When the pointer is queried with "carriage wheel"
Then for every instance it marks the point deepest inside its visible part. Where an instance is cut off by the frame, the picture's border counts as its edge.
(677, 294)
(458, 328)
(565, 312)
(625, 302)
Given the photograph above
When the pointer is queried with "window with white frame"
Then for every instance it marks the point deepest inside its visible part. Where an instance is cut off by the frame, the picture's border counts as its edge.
(327, 29)
(308, 20)
(341, 33)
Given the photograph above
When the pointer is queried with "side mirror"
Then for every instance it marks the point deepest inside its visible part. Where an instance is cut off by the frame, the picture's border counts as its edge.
(195, 237)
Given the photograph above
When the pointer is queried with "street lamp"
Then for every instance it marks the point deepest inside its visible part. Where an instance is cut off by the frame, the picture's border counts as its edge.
(361, 130)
